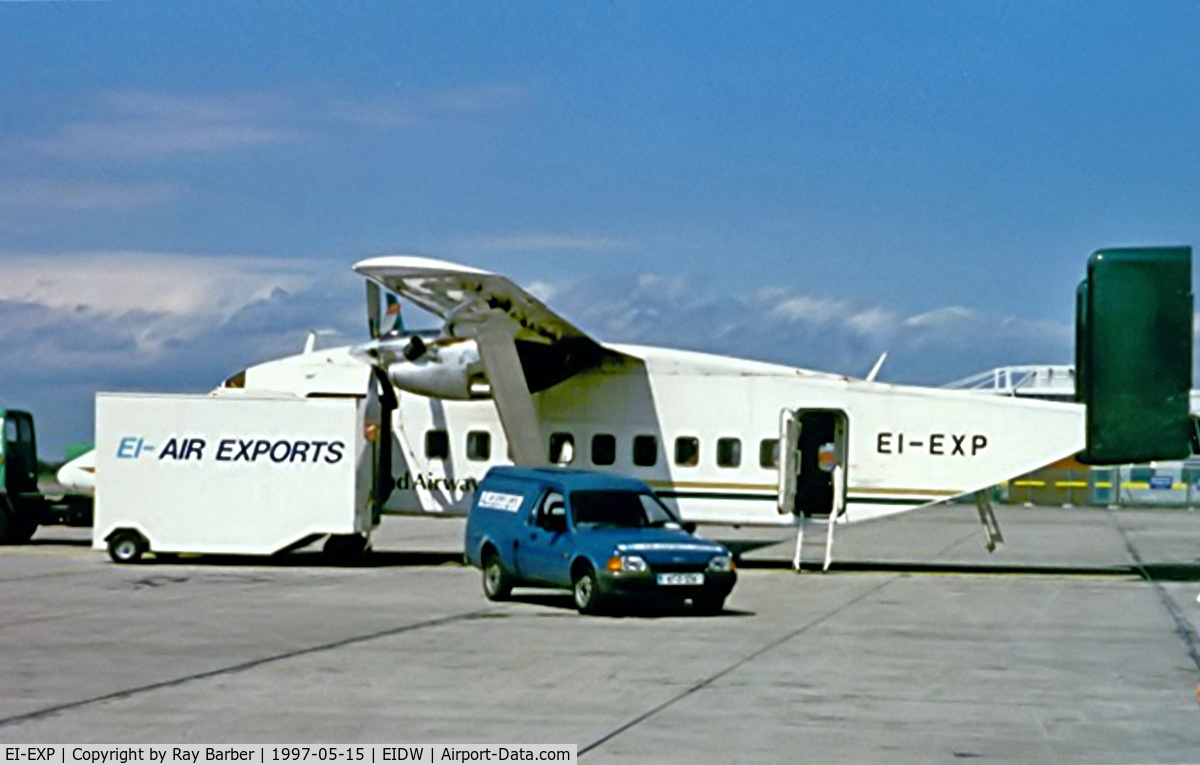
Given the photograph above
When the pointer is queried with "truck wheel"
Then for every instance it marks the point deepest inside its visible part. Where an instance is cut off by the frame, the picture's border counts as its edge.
(126, 546)
(14, 528)
(22, 531)
(587, 591)
(497, 584)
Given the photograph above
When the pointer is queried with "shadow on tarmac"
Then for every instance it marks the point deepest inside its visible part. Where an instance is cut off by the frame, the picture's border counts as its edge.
(313, 559)
(1163, 571)
(59, 543)
(562, 601)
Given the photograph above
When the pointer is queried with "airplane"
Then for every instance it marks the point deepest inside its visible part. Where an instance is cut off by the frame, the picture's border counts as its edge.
(722, 440)
(78, 476)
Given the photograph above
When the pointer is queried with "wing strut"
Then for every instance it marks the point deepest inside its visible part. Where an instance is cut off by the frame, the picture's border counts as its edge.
(510, 392)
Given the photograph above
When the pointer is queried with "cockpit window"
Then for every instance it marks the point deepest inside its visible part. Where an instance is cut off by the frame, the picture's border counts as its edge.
(619, 508)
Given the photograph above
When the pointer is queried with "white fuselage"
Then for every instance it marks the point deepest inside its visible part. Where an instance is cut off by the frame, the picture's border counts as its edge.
(702, 430)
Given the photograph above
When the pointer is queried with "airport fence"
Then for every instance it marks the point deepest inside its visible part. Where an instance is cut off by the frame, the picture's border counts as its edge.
(1165, 485)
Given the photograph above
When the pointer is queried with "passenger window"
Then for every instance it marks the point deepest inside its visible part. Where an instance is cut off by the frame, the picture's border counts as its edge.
(729, 452)
(687, 451)
(645, 451)
(479, 445)
(552, 515)
(562, 448)
(768, 453)
(437, 444)
(604, 449)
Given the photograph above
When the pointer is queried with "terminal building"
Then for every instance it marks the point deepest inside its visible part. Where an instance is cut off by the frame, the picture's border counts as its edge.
(1069, 482)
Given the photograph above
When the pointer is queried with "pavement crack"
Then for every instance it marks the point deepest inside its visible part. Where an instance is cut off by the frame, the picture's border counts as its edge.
(1182, 626)
(727, 670)
(241, 667)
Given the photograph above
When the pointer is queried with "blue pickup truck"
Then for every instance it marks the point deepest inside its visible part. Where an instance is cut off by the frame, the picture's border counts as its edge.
(603, 537)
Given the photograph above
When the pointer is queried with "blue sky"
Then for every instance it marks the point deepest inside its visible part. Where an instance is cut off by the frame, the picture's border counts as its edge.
(183, 186)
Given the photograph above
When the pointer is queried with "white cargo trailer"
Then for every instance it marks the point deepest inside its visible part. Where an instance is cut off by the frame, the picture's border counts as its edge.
(237, 473)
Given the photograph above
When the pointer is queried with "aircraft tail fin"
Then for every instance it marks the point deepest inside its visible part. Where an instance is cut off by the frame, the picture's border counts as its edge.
(1133, 362)
(393, 321)
(383, 312)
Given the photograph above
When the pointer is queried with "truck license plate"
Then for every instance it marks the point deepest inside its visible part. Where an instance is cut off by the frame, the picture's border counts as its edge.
(668, 579)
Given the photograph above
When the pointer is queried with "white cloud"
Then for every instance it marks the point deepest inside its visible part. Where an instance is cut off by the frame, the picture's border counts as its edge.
(82, 322)
(770, 294)
(778, 324)
(543, 291)
(52, 194)
(671, 287)
(950, 316)
(802, 308)
(105, 312)
(114, 283)
(872, 320)
(72, 324)
(148, 125)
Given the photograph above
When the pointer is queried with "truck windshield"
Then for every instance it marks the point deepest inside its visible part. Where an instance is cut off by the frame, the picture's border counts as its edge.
(618, 508)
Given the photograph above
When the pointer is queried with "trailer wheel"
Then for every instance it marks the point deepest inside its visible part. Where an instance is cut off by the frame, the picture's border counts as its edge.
(126, 546)
(497, 584)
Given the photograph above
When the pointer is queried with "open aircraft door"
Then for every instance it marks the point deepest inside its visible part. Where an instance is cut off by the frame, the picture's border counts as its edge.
(788, 459)
(812, 464)
(812, 469)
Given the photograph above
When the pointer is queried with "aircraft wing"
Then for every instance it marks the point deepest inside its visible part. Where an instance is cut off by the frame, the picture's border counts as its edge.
(464, 297)
(550, 348)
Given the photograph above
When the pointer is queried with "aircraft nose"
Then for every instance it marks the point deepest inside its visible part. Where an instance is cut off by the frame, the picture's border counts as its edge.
(79, 475)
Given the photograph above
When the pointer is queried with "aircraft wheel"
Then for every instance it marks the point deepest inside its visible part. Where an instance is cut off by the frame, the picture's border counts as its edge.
(497, 584)
(126, 546)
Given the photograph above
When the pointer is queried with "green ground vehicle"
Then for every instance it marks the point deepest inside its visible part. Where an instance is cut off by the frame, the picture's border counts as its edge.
(23, 507)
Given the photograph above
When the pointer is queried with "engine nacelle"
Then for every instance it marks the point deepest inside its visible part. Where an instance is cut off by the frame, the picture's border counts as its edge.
(447, 371)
